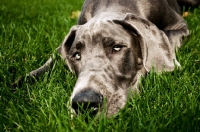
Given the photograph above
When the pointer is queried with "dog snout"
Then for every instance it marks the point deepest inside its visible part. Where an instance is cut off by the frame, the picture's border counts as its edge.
(87, 100)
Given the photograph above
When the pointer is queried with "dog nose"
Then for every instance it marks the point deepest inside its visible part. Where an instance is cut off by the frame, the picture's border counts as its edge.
(87, 100)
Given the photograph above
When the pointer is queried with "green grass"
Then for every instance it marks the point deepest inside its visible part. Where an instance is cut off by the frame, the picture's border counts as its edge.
(29, 33)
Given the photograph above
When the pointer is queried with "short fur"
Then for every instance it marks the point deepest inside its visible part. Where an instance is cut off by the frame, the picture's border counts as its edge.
(116, 42)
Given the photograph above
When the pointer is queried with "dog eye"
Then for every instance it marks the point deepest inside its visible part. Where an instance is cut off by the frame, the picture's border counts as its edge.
(77, 56)
(117, 48)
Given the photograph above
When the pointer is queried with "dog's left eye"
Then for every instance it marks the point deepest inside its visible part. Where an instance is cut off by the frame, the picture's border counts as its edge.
(117, 48)
(77, 56)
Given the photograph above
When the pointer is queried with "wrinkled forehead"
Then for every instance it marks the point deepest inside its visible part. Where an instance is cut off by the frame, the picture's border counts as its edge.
(96, 31)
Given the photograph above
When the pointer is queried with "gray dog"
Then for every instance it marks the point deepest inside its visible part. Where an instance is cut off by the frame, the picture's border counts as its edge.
(114, 44)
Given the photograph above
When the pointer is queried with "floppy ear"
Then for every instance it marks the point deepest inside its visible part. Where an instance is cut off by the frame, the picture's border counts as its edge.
(156, 49)
(66, 45)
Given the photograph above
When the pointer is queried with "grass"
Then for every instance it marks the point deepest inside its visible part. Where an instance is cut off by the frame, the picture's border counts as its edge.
(29, 33)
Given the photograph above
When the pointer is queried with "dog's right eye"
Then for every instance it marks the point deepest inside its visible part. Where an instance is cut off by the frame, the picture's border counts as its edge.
(77, 56)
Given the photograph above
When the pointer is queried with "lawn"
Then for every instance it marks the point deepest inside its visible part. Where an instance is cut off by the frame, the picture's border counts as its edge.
(29, 33)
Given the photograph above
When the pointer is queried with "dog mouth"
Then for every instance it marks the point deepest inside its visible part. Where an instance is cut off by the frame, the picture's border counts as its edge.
(91, 108)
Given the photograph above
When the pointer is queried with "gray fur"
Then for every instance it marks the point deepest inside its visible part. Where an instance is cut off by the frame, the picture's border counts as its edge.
(118, 41)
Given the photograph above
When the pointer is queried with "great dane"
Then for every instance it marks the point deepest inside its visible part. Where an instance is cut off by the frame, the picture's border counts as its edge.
(116, 42)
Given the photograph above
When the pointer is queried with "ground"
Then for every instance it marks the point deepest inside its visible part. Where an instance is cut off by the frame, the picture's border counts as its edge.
(31, 30)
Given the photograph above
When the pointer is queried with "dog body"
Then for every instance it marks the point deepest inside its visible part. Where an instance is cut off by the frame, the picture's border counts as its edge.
(117, 41)
(114, 43)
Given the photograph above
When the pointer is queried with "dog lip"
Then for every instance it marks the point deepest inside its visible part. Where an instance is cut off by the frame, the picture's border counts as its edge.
(82, 108)
(94, 108)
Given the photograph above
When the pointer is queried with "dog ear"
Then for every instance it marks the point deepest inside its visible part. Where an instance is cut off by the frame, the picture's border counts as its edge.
(66, 45)
(155, 46)
(68, 41)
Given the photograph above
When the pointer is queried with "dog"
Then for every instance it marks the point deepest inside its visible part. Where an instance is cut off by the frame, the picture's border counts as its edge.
(115, 43)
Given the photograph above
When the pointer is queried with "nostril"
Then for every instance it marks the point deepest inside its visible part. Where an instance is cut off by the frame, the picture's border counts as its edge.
(87, 100)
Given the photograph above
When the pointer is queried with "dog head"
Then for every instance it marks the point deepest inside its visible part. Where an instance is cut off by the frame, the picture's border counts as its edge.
(109, 57)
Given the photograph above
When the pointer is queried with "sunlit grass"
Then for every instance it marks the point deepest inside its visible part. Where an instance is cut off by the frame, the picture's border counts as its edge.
(31, 30)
